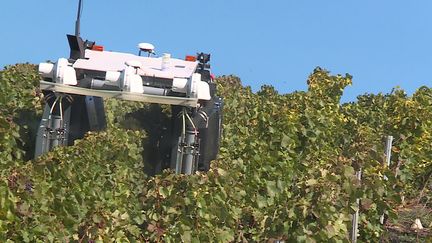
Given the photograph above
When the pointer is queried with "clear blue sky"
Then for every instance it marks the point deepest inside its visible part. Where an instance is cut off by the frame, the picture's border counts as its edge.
(382, 43)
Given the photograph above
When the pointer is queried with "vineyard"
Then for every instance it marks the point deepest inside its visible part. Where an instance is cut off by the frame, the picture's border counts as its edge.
(286, 170)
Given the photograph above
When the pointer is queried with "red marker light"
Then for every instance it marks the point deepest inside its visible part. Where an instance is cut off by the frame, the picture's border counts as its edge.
(97, 48)
(191, 58)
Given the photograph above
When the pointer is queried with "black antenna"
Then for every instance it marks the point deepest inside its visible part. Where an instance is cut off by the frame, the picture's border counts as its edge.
(78, 20)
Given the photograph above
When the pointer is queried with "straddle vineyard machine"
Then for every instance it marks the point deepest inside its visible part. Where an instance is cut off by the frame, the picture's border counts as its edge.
(74, 89)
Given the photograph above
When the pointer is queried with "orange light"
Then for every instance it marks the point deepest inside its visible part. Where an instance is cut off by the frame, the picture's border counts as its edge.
(191, 58)
(97, 48)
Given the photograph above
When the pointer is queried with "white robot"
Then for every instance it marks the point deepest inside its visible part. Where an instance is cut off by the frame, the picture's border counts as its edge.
(74, 88)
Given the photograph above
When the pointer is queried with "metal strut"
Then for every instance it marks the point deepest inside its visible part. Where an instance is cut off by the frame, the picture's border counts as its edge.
(53, 130)
(187, 150)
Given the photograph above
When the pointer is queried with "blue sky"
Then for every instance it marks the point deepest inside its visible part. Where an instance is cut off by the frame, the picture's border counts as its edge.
(383, 44)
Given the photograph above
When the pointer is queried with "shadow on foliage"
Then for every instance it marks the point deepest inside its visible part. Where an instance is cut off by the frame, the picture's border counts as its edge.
(156, 122)
(28, 121)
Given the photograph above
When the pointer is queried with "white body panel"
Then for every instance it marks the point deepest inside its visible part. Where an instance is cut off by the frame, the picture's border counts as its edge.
(62, 72)
(150, 66)
(127, 72)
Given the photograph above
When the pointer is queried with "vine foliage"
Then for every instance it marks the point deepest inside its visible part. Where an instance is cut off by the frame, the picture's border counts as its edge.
(286, 168)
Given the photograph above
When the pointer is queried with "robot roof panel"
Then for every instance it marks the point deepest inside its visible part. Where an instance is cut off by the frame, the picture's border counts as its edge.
(151, 66)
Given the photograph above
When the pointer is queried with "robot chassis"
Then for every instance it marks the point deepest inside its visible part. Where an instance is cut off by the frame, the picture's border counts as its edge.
(74, 89)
